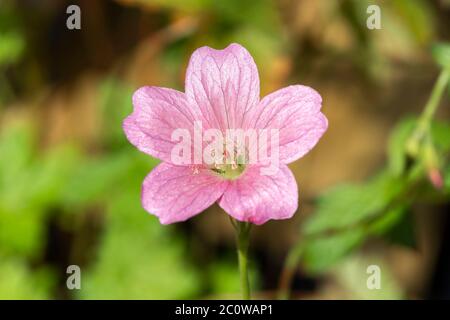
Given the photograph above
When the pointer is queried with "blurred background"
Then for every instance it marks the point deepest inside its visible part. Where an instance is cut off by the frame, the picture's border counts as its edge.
(70, 182)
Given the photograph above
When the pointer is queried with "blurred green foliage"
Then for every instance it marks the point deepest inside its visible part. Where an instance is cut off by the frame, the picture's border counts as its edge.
(58, 189)
(135, 257)
(12, 44)
(11, 47)
(441, 53)
(145, 260)
(18, 281)
(349, 214)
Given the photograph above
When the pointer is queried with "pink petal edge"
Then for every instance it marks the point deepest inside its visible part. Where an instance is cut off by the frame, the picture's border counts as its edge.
(295, 112)
(258, 198)
(224, 84)
(157, 113)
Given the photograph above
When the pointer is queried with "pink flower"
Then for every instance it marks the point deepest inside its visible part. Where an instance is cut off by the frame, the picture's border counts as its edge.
(222, 91)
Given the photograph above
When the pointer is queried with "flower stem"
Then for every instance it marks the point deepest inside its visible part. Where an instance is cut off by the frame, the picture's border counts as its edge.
(242, 237)
(288, 271)
(428, 112)
(436, 94)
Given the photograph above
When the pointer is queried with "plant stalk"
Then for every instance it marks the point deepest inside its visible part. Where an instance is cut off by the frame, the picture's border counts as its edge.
(428, 113)
(243, 237)
(288, 271)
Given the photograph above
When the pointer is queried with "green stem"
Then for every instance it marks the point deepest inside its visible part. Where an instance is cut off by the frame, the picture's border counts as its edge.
(242, 235)
(429, 111)
(436, 94)
(288, 272)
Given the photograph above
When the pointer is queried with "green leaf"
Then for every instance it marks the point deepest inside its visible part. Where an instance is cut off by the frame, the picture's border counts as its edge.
(326, 251)
(322, 252)
(347, 205)
(388, 220)
(404, 232)
(441, 54)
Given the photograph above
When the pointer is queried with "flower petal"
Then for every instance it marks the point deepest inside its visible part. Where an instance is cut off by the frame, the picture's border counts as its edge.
(157, 113)
(295, 112)
(258, 198)
(224, 84)
(176, 193)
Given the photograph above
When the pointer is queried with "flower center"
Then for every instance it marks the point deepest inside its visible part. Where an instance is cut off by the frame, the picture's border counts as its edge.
(231, 165)
(229, 171)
